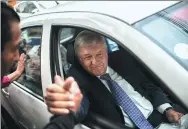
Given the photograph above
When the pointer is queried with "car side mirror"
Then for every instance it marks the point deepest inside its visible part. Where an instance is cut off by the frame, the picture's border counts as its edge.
(34, 11)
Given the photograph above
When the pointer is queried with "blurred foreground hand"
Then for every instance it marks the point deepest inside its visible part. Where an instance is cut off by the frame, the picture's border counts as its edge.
(63, 96)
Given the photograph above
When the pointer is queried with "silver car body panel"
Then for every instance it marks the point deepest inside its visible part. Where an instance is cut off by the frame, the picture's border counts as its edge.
(129, 11)
(31, 111)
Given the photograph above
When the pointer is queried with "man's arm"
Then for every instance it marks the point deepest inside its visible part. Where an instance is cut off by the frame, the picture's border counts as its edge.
(161, 102)
(61, 122)
(83, 109)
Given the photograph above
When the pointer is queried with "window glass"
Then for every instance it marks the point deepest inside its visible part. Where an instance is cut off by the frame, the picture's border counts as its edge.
(66, 34)
(112, 46)
(169, 30)
(30, 45)
(30, 7)
(47, 4)
(22, 8)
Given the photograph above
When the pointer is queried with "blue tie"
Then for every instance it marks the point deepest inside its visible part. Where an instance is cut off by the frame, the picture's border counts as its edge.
(123, 100)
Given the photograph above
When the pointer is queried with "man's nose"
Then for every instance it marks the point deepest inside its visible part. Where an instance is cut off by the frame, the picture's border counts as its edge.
(93, 61)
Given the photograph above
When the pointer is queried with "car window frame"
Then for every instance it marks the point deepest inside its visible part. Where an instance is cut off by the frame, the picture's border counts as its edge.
(26, 89)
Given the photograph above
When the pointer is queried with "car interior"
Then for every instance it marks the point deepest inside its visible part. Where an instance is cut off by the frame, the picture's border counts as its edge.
(129, 66)
(31, 48)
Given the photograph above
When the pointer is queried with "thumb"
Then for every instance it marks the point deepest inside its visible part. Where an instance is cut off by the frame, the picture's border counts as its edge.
(58, 80)
(71, 85)
(74, 88)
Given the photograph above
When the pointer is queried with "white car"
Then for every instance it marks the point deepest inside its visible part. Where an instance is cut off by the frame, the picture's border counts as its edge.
(153, 33)
(28, 8)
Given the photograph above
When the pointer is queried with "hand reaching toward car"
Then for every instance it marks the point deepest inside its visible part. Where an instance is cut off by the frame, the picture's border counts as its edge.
(63, 96)
(20, 66)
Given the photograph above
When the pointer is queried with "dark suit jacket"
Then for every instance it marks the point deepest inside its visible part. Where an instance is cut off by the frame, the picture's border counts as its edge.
(102, 102)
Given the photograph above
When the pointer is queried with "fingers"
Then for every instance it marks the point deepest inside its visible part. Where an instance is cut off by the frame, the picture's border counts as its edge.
(22, 59)
(68, 83)
(71, 85)
(176, 117)
(60, 104)
(58, 96)
(77, 99)
(22, 56)
(21, 62)
(58, 111)
(74, 88)
(180, 115)
(63, 96)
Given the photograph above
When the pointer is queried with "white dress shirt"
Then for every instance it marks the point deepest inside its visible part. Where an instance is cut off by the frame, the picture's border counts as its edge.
(141, 102)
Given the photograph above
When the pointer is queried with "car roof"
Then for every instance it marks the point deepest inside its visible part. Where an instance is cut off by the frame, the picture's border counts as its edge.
(129, 11)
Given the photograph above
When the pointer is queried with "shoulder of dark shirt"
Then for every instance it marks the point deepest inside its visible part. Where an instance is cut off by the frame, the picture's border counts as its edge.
(61, 122)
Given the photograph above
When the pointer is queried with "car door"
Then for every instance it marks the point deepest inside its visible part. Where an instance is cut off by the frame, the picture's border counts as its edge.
(126, 38)
(25, 94)
(123, 35)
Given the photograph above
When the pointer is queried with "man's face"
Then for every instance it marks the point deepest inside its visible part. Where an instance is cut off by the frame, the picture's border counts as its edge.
(94, 58)
(10, 54)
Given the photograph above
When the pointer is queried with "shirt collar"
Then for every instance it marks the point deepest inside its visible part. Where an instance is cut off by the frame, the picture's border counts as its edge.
(107, 71)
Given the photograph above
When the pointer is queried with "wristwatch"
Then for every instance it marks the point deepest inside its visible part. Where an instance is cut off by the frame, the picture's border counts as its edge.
(166, 110)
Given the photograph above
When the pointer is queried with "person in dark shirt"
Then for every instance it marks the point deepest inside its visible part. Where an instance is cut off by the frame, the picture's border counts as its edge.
(10, 41)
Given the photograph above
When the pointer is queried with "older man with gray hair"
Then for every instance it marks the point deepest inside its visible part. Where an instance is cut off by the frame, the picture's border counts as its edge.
(110, 95)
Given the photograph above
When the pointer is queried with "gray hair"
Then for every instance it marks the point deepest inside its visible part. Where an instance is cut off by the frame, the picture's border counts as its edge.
(87, 37)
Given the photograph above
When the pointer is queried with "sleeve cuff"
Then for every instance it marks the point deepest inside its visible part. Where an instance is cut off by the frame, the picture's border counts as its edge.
(163, 107)
(6, 80)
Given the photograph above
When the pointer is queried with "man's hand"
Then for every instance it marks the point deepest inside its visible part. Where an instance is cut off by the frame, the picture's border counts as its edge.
(63, 96)
(173, 116)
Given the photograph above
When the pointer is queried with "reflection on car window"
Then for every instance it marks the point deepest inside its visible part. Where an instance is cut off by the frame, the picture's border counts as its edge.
(169, 30)
(22, 7)
(112, 46)
(30, 7)
(30, 45)
(66, 34)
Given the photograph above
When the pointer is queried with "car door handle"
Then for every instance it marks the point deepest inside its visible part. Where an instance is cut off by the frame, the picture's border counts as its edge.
(6, 93)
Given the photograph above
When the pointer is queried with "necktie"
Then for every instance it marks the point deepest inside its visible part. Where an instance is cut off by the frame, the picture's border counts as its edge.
(123, 100)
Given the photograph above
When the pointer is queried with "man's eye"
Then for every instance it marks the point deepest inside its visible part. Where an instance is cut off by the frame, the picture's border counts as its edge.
(87, 58)
(100, 55)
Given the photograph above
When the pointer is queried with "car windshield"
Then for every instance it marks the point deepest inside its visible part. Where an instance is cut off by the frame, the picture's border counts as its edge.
(169, 30)
(47, 4)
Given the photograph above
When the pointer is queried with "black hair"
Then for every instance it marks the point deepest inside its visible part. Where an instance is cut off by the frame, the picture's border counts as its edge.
(7, 16)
